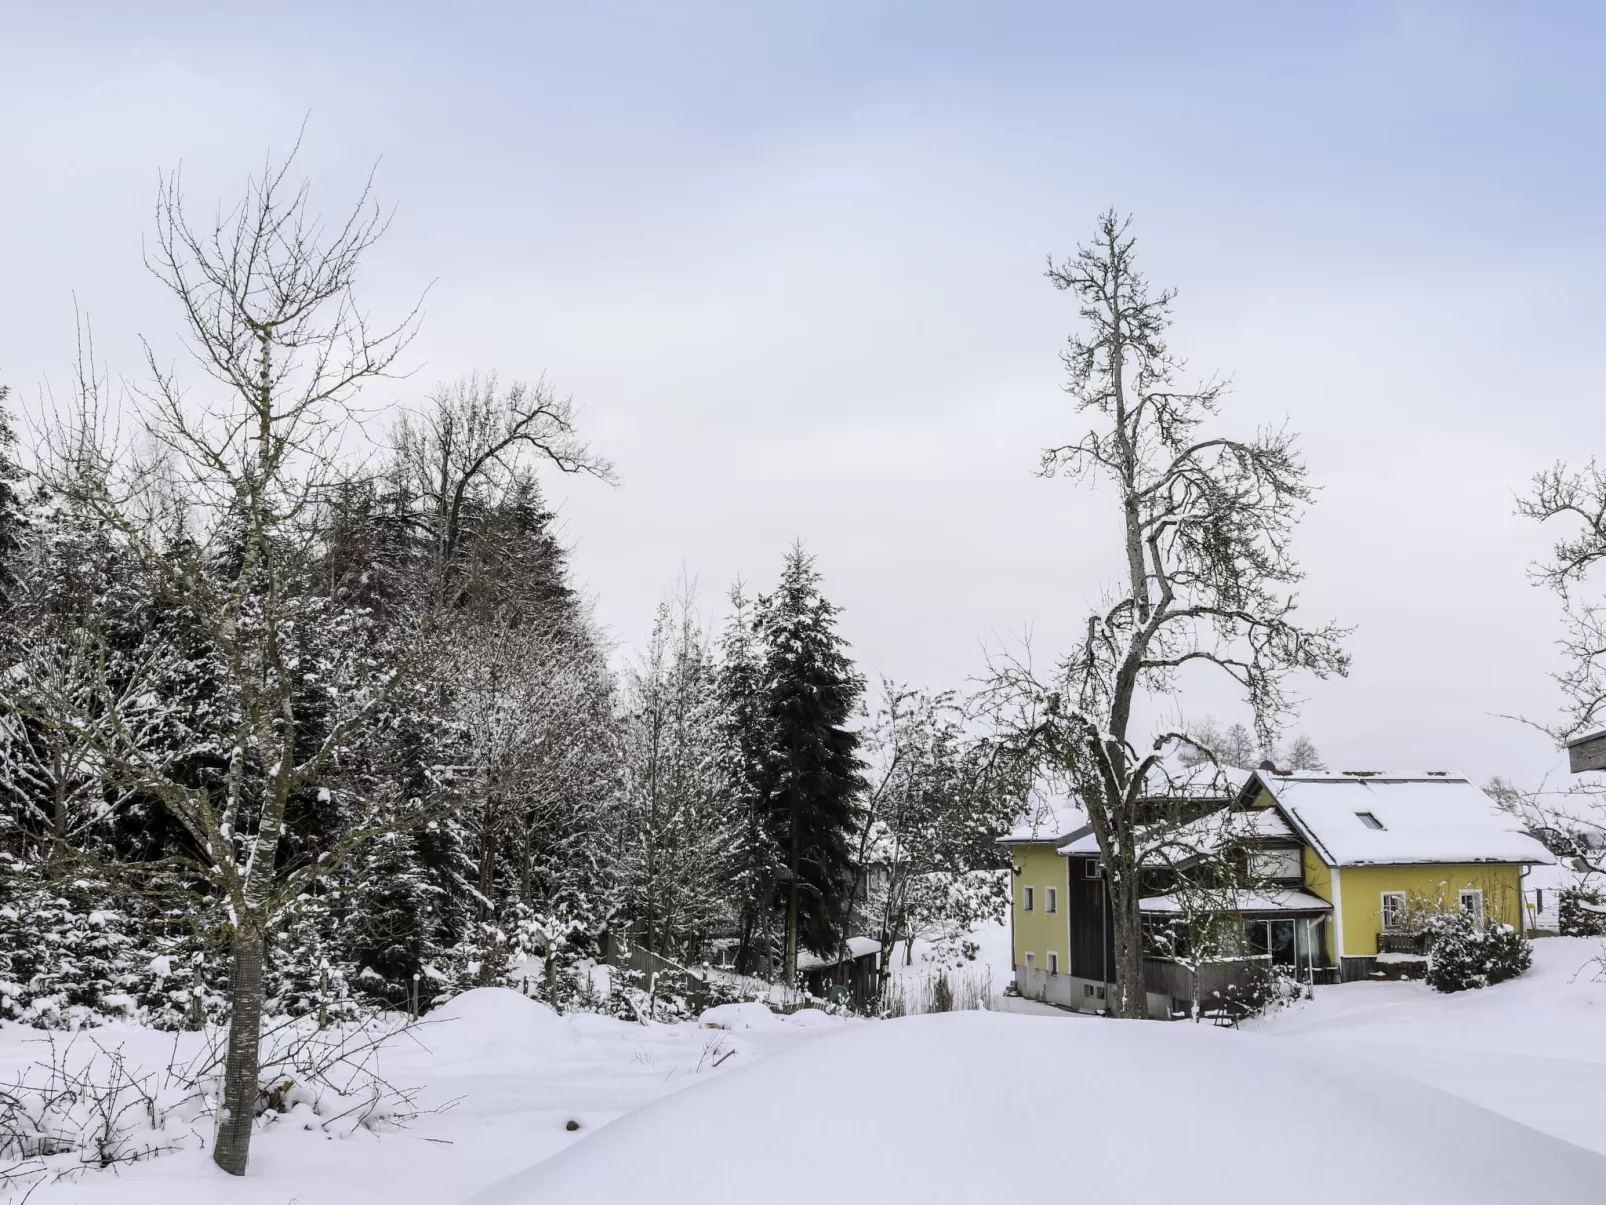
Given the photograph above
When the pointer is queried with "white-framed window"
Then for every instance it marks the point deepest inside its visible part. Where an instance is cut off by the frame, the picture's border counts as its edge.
(1369, 820)
(1029, 899)
(1053, 963)
(1051, 901)
(1031, 962)
(1090, 868)
(1393, 911)
(1472, 901)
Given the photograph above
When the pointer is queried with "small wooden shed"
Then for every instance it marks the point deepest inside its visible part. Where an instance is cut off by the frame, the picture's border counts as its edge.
(1587, 753)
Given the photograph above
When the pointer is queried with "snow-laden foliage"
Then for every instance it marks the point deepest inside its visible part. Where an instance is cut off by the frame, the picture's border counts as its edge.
(1464, 953)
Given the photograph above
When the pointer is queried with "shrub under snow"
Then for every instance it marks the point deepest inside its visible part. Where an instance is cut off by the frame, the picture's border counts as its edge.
(85, 1102)
(1465, 954)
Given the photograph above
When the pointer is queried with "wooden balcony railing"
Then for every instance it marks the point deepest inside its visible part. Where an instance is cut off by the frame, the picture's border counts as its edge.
(1402, 943)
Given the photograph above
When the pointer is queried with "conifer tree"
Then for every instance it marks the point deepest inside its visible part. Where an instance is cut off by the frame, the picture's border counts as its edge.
(811, 765)
(743, 727)
(11, 511)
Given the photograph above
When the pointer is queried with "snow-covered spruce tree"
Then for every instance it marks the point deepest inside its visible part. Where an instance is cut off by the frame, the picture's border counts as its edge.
(11, 504)
(744, 727)
(811, 767)
(266, 297)
(678, 830)
(1207, 570)
(85, 647)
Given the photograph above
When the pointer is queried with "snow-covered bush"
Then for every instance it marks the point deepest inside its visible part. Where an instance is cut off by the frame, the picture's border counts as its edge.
(1456, 958)
(1581, 913)
(84, 1102)
(1464, 954)
(1507, 953)
(83, 1105)
(70, 958)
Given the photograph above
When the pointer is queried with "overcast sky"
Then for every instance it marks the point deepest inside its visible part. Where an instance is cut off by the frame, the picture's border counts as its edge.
(789, 260)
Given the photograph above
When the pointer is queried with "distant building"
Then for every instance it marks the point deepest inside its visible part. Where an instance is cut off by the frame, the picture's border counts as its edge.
(1348, 862)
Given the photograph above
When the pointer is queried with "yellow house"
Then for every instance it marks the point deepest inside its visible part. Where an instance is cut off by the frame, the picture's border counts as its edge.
(1350, 863)
(1383, 849)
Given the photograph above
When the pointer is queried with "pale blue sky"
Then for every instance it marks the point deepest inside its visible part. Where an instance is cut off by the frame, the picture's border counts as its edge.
(789, 258)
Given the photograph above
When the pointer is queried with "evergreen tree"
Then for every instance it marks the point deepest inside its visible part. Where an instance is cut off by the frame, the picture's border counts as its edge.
(11, 509)
(811, 765)
(743, 720)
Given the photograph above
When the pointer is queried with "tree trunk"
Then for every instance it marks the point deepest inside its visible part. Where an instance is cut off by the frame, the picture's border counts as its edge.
(238, 1112)
(1131, 1001)
(790, 968)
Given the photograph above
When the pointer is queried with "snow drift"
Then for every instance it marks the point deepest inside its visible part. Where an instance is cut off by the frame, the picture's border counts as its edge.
(970, 1107)
(493, 1028)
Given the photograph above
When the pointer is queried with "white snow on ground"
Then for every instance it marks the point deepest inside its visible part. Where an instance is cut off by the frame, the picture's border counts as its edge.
(1533, 1048)
(978, 1106)
(509, 1073)
(1486, 1096)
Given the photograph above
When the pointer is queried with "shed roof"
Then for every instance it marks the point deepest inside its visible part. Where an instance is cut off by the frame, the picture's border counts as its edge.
(857, 947)
(1399, 819)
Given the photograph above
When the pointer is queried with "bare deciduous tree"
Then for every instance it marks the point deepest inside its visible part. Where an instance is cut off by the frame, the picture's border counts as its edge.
(468, 446)
(269, 316)
(1576, 500)
(1572, 820)
(1207, 574)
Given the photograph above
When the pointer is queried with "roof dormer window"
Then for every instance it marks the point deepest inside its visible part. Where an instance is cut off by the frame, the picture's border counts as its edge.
(1368, 819)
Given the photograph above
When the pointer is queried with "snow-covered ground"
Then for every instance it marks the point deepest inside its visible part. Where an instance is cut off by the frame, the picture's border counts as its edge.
(1486, 1096)
(1533, 1048)
(507, 1074)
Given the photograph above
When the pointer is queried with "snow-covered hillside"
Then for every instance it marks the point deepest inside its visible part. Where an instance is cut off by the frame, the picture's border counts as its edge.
(960, 1107)
(1487, 1096)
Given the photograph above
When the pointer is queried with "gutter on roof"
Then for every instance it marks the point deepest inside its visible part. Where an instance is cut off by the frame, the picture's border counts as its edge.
(1441, 862)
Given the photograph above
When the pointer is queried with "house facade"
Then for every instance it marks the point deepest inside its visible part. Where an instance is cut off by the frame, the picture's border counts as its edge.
(1345, 866)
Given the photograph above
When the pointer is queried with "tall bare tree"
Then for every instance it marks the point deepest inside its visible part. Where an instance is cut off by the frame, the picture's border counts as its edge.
(1573, 819)
(466, 449)
(1575, 500)
(1207, 571)
(265, 290)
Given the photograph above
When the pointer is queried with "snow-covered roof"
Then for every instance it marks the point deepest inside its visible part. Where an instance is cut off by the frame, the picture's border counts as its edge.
(1395, 819)
(1049, 820)
(1080, 841)
(857, 947)
(1207, 832)
(1270, 901)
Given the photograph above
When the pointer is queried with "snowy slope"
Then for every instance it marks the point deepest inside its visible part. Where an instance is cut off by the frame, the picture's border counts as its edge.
(1533, 1048)
(507, 1074)
(969, 1107)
